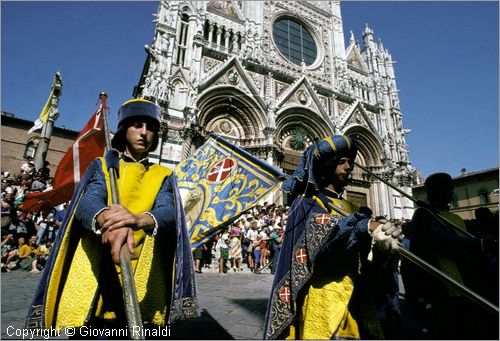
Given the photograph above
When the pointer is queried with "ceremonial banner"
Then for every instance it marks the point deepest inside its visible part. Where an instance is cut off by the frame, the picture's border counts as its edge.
(88, 145)
(218, 183)
(44, 114)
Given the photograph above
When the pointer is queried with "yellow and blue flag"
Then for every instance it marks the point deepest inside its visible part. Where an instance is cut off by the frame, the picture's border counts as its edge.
(44, 114)
(218, 182)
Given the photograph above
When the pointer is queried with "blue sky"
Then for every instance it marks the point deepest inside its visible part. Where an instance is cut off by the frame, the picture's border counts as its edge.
(446, 67)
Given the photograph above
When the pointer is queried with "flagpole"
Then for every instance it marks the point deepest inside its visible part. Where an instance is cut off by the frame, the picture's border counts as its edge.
(132, 310)
(45, 135)
(434, 271)
(418, 202)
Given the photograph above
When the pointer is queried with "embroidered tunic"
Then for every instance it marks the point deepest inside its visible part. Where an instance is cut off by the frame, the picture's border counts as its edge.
(80, 281)
(319, 267)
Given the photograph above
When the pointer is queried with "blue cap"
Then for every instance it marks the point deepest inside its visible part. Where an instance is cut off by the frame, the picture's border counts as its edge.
(138, 107)
(129, 110)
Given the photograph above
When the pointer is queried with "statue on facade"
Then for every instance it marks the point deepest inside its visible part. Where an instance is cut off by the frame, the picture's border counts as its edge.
(303, 66)
(271, 108)
(190, 115)
(257, 48)
(234, 43)
(163, 90)
(164, 15)
(395, 99)
(164, 42)
(155, 86)
(146, 87)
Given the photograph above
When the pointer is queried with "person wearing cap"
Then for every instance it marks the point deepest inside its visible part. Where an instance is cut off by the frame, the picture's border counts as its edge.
(318, 290)
(235, 249)
(27, 169)
(81, 282)
(275, 246)
(443, 310)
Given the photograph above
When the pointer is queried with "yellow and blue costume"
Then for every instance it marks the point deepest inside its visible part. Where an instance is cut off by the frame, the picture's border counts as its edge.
(316, 292)
(80, 281)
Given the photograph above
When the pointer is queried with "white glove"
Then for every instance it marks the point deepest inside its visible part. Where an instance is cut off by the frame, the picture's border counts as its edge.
(386, 238)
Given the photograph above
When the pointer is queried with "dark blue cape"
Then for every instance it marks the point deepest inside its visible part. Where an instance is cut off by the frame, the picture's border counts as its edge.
(310, 229)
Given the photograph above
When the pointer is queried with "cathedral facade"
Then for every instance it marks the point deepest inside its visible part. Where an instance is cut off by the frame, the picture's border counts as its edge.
(273, 77)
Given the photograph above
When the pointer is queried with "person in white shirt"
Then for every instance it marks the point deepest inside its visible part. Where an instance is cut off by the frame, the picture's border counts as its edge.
(222, 251)
(252, 237)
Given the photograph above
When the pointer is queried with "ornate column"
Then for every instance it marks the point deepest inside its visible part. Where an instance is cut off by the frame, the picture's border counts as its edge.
(226, 40)
(210, 32)
(163, 137)
(219, 36)
(190, 38)
(188, 134)
(43, 145)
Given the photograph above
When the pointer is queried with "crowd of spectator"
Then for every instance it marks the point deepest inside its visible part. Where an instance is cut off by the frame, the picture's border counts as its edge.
(26, 238)
(251, 242)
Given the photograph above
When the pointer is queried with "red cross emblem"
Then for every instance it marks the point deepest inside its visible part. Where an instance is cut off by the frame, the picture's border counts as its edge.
(285, 294)
(301, 255)
(221, 170)
(323, 218)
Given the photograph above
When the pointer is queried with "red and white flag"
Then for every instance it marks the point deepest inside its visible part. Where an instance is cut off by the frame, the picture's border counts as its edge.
(89, 145)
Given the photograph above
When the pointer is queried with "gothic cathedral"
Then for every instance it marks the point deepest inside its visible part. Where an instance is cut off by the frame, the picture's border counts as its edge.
(273, 77)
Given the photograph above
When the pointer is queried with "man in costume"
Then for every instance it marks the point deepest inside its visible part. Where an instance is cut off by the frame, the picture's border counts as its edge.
(81, 282)
(444, 311)
(318, 290)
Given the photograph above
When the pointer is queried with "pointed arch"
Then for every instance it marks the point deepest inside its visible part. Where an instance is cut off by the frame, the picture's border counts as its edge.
(370, 149)
(296, 129)
(369, 145)
(179, 93)
(231, 113)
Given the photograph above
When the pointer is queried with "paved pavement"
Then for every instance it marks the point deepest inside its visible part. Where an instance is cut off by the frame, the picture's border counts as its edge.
(232, 306)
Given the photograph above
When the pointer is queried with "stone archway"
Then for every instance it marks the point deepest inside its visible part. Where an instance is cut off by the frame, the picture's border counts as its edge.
(233, 115)
(296, 129)
(361, 190)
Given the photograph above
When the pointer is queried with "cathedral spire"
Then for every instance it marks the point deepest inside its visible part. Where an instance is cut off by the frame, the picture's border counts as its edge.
(352, 41)
(368, 37)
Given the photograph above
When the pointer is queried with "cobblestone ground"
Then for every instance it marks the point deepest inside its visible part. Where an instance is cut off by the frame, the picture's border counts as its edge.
(232, 306)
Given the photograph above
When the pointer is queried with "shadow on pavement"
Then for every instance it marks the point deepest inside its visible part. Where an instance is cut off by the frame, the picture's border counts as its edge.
(204, 327)
(255, 306)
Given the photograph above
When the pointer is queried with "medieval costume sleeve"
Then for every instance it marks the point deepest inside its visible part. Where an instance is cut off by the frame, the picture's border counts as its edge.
(95, 201)
(313, 294)
(79, 281)
(321, 250)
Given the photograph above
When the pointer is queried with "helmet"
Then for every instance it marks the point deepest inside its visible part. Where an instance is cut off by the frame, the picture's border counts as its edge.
(129, 111)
